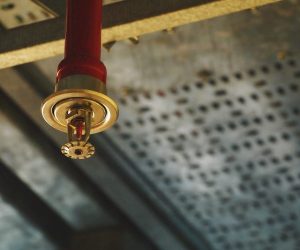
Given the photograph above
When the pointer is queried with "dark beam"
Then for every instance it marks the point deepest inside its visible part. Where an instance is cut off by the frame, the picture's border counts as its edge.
(108, 239)
(58, 6)
(30, 205)
(121, 21)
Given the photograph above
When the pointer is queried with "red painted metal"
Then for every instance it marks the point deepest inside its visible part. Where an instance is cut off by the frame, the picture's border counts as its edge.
(83, 40)
(79, 125)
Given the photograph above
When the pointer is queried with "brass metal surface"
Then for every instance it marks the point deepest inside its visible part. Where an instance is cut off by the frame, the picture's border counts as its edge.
(78, 150)
(105, 113)
(60, 109)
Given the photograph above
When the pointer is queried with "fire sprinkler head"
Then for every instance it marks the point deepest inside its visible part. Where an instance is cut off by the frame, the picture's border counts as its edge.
(79, 111)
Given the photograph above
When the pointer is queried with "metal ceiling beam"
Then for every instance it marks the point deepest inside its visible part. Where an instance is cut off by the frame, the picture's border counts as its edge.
(121, 21)
(110, 239)
(30, 205)
(57, 7)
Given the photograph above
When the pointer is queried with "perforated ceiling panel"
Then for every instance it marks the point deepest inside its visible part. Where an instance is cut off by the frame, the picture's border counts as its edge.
(225, 152)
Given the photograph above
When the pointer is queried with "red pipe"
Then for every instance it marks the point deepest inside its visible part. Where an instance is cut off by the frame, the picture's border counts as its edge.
(83, 40)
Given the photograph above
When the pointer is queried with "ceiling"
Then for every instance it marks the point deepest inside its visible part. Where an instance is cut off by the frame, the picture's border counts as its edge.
(205, 154)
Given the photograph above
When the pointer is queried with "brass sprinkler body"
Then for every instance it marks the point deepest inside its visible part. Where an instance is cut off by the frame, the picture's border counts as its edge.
(79, 105)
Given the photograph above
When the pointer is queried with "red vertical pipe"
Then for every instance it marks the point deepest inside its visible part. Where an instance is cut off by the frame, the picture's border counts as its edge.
(83, 40)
